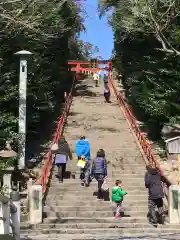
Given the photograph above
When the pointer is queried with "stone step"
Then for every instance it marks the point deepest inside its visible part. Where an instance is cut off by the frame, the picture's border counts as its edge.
(126, 207)
(77, 183)
(112, 178)
(119, 174)
(111, 181)
(107, 213)
(116, 165)
(118, 155)
(70, 196)
(125, 181)
(95, 202)
(103, 231)
(113, 165)
(153, 235)
(92, 190)
(116, 224)
(70, 220)
(119, 171)
(117, 159)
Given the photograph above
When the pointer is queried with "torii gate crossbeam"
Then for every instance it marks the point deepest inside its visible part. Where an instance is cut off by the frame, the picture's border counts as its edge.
(79, 69)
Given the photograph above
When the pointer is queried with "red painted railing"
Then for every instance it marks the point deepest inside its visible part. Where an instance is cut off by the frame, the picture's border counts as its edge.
(146, 147)
(48, 164)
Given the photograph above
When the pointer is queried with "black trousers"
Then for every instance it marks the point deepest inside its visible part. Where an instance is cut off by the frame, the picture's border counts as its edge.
(100, 179)
(152, 204)
(61, 170)
(107, 96)
(85, 173)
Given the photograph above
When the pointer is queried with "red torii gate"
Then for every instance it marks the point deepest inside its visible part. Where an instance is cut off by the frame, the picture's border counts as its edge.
(85, 66)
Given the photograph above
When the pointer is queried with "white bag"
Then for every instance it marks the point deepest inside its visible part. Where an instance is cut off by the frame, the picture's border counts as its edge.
(104, 186)
(54, 147)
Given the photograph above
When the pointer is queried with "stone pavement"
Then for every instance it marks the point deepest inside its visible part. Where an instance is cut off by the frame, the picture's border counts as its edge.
(72, 211)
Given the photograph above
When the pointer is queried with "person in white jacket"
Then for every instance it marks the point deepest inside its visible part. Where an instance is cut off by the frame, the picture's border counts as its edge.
(96, 78)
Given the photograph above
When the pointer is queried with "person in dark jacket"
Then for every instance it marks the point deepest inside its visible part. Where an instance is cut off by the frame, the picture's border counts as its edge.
(153, 181)
(61, 157)
(107, 93)
(99, 170)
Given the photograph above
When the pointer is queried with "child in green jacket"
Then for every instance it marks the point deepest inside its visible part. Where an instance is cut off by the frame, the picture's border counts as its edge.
(117, 197)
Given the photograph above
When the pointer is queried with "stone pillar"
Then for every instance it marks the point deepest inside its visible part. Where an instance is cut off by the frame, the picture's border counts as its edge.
(174, 204)
(35, 204)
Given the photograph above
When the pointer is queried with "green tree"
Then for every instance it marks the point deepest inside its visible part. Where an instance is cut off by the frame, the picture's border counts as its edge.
(88, 50)
(147, 53)
(50, 30)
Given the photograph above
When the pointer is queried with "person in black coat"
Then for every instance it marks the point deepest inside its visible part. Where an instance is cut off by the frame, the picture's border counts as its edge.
(154, 183)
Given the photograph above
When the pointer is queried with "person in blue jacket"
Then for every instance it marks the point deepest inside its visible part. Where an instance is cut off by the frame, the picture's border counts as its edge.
(82, 149)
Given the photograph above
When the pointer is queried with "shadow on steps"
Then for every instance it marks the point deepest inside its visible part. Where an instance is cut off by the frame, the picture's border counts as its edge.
(82, 89)
(105, 196)
(67, 175)
(25, 238)
(58, 219)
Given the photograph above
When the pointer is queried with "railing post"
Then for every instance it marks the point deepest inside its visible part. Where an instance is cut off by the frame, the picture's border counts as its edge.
(7, 173)
(174, 204)
(4, 216)
(35, 204)
(15, 214)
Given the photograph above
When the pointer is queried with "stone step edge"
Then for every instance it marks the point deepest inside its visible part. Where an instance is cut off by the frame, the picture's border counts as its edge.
(107, 225)
(150, 229)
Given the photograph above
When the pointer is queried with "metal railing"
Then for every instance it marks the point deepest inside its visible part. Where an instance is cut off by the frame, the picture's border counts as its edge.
(59, 130)
(144, 144)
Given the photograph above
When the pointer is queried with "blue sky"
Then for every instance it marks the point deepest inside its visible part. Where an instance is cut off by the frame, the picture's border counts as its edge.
(98, 32)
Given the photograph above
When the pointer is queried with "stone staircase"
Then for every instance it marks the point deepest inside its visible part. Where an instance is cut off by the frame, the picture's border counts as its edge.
(72, 211)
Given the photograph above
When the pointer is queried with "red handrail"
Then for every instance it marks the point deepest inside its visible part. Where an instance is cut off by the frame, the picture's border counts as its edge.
(49, 160)
(146, 147)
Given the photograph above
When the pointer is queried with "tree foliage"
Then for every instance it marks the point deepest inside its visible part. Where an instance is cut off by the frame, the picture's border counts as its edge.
(147, 53)
(88, 50)
(50, 30)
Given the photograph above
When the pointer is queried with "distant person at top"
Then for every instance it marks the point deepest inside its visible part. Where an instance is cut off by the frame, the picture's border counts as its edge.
(96, 78)
(101, 75)
(62, 153)
(83, 150)
(105, 77)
